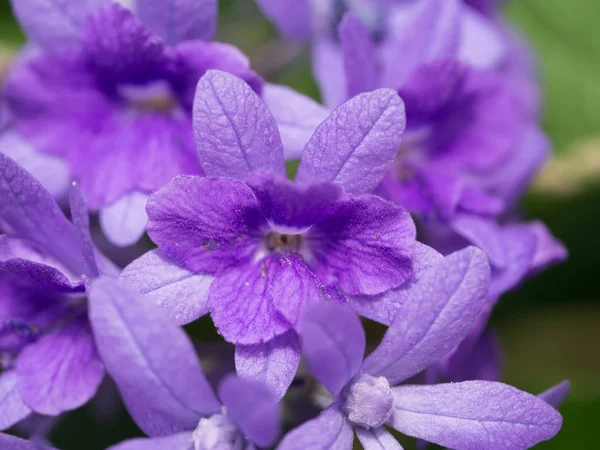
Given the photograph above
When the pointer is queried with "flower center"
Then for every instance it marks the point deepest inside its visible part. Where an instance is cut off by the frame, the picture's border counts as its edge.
(217, 433)
(154, 97)
(368, 401)
(281, 242)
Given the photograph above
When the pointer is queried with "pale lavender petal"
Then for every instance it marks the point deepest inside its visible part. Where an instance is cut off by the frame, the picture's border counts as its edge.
(124, 221)
(152, 361)
(357, 144)
(182, 295)
(328, 66)
(334, 344)
(12, 408)
(474, 415)
(8, 442)
(384, 307)
(273, 363)
(241, 307)
(328, 431)
(51, 171)
(179, 20)
(548, 250)
(556, 395)
(377, 439)
(481, 42)
(364, 246)
(61, 371)
(291, 17)
(180, 441)
(81, 222)
(297, 117)
(28, 211)
(483, 232)
(435, 318)
(235, 132)
(252, 407)
(360, 63)
(204, 224)
(51, 24)
(431, 32)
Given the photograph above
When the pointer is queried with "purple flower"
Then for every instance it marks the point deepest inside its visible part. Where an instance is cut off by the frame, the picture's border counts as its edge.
(49, 362)
(8, 442)
(160, 379)
(110, 93)
(368, 395)
(254, 248)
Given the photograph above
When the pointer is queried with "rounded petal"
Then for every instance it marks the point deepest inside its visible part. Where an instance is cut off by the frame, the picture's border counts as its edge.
(124, 221)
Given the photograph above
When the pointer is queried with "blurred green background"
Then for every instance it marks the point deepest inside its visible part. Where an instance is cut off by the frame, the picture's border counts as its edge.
(550, 327)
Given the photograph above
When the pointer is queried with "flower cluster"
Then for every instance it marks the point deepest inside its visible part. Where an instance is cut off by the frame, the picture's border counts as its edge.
(430, 122)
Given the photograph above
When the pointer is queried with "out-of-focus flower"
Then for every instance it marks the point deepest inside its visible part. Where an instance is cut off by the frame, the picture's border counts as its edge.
(368, 395)
(110, 93)
(158, 374)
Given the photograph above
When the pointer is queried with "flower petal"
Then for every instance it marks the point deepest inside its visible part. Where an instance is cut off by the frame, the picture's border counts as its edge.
(357, 144)
(384, 307)
(328, 67)
(556, 395)
(12, 408)
(28, 211)
(364, 246)
(61, 371)
(291, 17)
(273, 363)
(235, 131)
(152, 361)
(297, 117)
(334, 344)
(179, 20)
(181, 294)
(179, 441)
(473, 415)
(54, 25)
(436, 316)
(241, 307)
(124, 221)
(328, 431)
(81, 223)
(252, 407)
(204, 224)
(8, 442)
(358, 49)
(484, 233)
(377, 439)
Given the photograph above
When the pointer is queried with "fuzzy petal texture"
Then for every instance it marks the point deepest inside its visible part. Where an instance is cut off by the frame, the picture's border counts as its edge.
(360, 63)
(241, 307)
(432, 32)
(377, 439)
(473, 415)
(12, 408)
(384, 307)
(204, 224)
(357, 144)
(435, 317)
(297, 117)
(273, 363)
(252, 407)
(328, 431)
(179, 441)
(181, 294)
(124, 221)
(54, 25)
(334, 344)
(235, 132)
(364, 246)
(28, 211)
(152, 361)
(179, 20)
(291, 17)
(81, 223)
(61, 371)
(556, 395)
